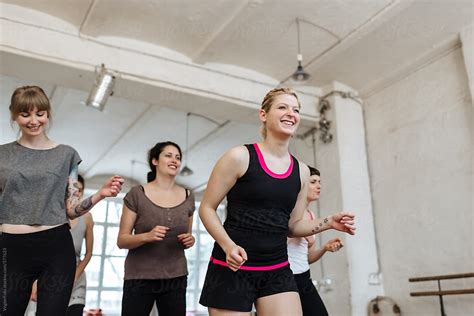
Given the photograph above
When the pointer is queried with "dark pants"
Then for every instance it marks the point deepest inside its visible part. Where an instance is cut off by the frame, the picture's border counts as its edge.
(47, 256)
(169, 295)
(75, 310)
(311, 302)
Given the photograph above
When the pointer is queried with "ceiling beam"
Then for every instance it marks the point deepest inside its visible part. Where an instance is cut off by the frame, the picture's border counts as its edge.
(78, 58)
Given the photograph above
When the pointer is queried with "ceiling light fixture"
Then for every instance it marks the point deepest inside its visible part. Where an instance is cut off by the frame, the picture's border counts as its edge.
(102, 89)
(186, 171)
(299, 75)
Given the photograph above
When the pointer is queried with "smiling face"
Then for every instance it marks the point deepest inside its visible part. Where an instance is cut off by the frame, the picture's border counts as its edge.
(32, 123)
(169, 161)
(31, 110)
(314, 189)
(283, 116)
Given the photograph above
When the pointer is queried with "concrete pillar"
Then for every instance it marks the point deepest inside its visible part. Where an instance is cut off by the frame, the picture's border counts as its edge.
(346, 186)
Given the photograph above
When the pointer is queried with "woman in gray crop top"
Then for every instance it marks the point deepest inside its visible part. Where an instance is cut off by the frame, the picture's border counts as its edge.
(38, 194)
(156, 227)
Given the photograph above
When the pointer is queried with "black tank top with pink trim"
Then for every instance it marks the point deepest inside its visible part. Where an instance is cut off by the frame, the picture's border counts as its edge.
(258, 210)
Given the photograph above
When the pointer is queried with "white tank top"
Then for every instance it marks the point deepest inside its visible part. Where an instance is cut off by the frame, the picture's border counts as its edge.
(298, 253)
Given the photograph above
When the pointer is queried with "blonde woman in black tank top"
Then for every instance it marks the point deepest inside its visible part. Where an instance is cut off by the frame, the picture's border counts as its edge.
(239, 276)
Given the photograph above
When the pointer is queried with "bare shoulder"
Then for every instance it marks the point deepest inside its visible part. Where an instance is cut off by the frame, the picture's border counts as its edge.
(235, 159)
(237, 154)
(88, 218)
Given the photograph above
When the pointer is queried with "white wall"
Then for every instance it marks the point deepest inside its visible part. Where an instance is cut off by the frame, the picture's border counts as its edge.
(419, 149)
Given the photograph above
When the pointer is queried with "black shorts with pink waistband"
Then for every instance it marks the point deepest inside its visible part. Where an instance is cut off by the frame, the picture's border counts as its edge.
(238, 291)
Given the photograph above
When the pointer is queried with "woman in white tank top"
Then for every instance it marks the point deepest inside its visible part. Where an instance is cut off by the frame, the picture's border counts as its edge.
(301, 253)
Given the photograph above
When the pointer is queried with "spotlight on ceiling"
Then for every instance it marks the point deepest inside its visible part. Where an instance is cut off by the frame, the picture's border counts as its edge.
(102, 89)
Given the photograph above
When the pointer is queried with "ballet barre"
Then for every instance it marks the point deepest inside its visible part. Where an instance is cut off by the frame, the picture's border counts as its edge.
(440, 293)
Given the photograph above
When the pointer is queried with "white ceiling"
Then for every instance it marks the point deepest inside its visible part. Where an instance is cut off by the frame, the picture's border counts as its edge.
(338, 37)
(361, 43)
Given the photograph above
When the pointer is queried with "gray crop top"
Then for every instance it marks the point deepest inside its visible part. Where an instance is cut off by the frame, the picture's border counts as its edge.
(33, 184)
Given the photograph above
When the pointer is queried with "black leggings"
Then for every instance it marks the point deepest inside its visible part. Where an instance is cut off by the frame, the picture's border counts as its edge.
(47, 256)
(169, 294)
(311, 302)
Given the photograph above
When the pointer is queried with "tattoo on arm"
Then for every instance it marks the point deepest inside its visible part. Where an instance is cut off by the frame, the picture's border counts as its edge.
(83, 207)
(74, 207)
(319, 226)
(72, 193)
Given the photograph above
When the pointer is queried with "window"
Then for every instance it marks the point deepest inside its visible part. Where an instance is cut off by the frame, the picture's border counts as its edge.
(198, 258)
(106, 268)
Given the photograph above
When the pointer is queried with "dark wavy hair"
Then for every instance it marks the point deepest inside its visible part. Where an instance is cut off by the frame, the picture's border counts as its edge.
(154, 153)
